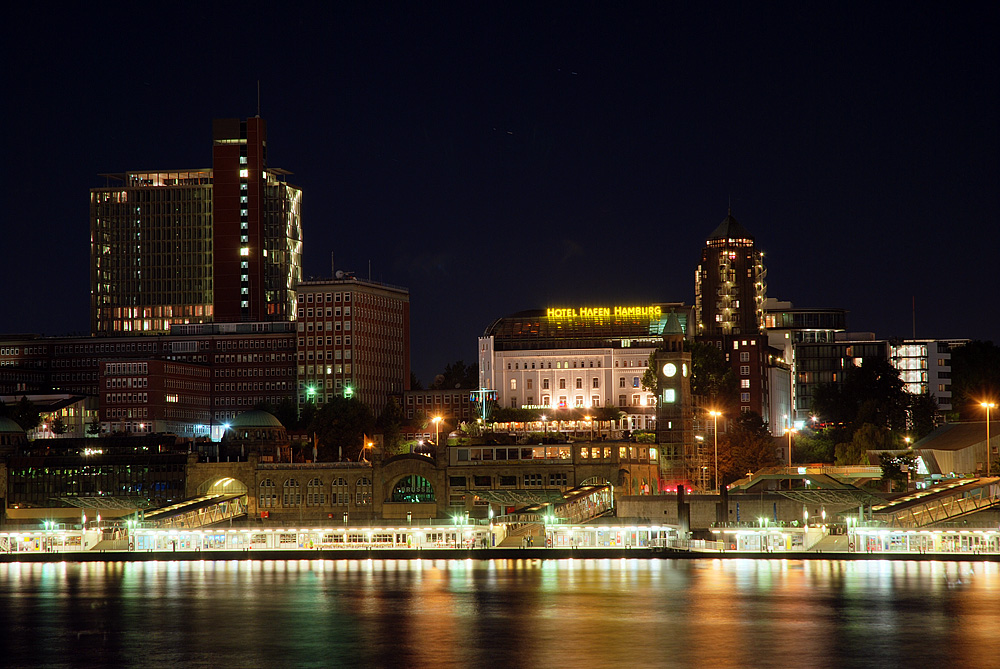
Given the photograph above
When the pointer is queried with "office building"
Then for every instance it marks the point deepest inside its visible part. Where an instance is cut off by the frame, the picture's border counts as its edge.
(172, 247)
(353, 339)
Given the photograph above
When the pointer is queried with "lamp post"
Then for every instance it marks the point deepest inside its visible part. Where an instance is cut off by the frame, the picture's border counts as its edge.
(437, 426)
(988, 406)
(715, 431)
(788, 431)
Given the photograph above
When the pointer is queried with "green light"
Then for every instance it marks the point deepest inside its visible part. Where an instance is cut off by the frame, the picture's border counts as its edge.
(348, 391)
(311, 390)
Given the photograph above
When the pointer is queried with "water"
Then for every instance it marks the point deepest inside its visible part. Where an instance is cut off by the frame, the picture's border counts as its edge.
(451, 613)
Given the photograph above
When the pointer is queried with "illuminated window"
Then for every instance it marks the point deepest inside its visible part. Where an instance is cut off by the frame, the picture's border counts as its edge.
(244, 174)
(244, 251)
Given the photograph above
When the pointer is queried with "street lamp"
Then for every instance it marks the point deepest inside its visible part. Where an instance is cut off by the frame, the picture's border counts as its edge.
(788, 431)
(988, 406)
(437, 424)
(715, 431)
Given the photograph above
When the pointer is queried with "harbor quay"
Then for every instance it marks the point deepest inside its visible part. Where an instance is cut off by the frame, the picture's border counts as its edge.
(117, 542)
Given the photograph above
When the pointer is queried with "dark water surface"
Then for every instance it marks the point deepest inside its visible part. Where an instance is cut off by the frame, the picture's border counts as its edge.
(531, 613)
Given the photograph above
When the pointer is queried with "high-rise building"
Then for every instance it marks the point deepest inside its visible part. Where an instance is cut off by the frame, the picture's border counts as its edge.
(730, 283)
(353, 339)
(730, 291)
(173, 247)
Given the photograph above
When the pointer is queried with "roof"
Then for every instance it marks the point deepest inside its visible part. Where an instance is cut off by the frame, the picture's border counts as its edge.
(730, 229)
(673, 326)
(7, 426)
(534, 329)
(957, 436)
(255, 418)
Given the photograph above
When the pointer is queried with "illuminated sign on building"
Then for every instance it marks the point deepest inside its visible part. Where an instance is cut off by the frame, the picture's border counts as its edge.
(605, 312)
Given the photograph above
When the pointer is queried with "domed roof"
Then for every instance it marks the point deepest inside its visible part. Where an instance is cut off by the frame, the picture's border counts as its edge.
(255, 418)
(7, 426)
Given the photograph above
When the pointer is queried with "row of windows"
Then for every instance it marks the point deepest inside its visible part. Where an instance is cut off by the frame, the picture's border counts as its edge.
(556, 479)
(330, 297)
(315, 493)
(330, 312)
(637, 400)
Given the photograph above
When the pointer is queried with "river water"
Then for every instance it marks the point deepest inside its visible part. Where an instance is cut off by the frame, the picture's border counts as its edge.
(530, 613)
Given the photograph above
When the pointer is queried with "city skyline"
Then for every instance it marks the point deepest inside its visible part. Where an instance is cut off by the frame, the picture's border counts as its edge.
(499, 161)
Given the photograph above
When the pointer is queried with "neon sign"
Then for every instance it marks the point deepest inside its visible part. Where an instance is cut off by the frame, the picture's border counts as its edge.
(605, 312)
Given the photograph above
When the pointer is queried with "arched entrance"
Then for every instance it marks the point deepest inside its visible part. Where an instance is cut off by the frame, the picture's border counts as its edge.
(223, 485)
(412, 489)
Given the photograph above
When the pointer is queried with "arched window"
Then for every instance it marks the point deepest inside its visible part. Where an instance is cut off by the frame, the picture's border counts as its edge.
(363, 492)
(413, 488)
(291, 495)
(513, 384)
(340, 496)
(315, 494)
(268, 496)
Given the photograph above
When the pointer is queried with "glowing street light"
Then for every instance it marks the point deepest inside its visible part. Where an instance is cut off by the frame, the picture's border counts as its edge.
(715, 430)
(789, 431)
(988, 406)
(437, 428)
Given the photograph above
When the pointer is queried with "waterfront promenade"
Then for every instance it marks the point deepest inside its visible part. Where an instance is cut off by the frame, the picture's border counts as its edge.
(477, 554)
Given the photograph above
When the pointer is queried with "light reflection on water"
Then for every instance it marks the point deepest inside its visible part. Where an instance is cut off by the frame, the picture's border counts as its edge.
(594, 613)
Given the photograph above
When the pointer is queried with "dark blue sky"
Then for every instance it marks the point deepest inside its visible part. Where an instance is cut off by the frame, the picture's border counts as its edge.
(498, 157)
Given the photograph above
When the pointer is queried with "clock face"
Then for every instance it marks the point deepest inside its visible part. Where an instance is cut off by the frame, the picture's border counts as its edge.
(684, 369)
(669, 369)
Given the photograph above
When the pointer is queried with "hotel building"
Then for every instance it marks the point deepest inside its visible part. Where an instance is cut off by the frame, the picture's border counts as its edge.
(577, 357)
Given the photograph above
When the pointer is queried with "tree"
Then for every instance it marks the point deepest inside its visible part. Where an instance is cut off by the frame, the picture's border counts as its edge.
(341, 426)
(871, 393)
(58, 426)
(94, 428)
(747, 446)
(924, 415)
(814, 447)
(26, 414)
(893, 467)
(712, 377)
(866, 438)
(457, 375)
(975, 378)
(415, 382)
(390, 423)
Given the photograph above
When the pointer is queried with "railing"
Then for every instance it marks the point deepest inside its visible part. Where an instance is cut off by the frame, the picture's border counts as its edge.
(688, 544)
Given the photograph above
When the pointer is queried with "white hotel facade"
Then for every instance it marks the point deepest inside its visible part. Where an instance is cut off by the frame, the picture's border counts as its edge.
(564, 358)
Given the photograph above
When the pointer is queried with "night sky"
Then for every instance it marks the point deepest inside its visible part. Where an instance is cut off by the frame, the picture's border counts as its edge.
(495, 157)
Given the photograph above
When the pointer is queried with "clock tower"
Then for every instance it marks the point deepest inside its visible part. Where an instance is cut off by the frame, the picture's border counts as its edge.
(674, 410)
